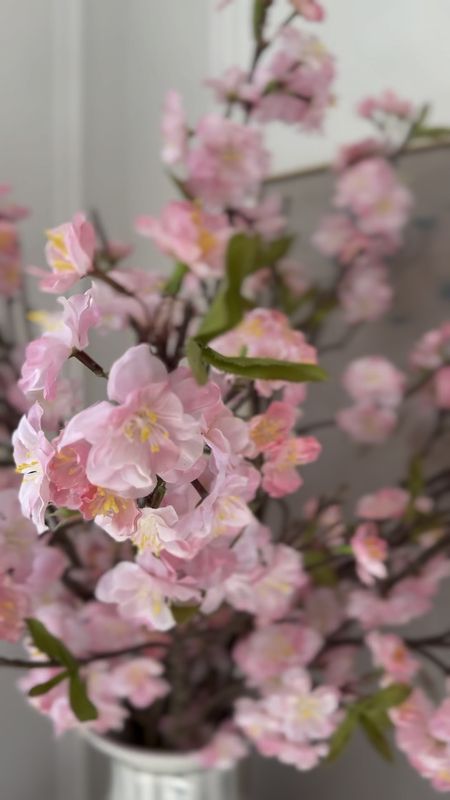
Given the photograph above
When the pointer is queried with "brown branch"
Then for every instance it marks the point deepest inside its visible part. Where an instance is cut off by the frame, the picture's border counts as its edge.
(89, 362)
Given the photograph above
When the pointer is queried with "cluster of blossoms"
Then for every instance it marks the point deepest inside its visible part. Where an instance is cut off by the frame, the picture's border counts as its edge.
(141, 533)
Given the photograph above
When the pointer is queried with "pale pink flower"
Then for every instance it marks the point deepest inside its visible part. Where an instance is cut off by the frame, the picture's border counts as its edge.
(269, 651)
(232, 85)
(188, 233)
(69, 252)
(225, 749)
(370, 552)
(388, 503)
(144, 435)
(310, 9)
(280, 476)
(266, 217)
(267, 333)
(388, 102)
(174, 130)
(367, 423)
(390, 652)
(155, 531)
(338, 237)
(32, 453)
(370, 189)
(45, 357)
(374, 379)
(139, 681)
(357, 151)
(270, 429)
(432, 349)
(227, 162)
(116, 309)
(365, 293)
(17, 536)
(295, 82)
(144, 597)
(439, 724)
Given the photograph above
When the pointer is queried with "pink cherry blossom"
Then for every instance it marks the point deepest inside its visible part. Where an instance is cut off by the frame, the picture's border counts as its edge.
(225, 749)
(32, 453)
(280, 476)
(143, 597)
(386, 103)
(388, 503)
(146, 434)
(69, 252)
(227, 162)
(270, 429)
(374, 379)
(310, 9)
(350, 154)
(390, 652)
(17, 537)
(370, 552)
(441, 388)
(189, 234)
(365, 293)
(367, 422)
(139, 681)
(269, 651)
(432, 350)
(174, 130)
(46, 356)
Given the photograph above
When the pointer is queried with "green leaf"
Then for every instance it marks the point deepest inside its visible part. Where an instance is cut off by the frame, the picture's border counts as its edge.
(175, 282)
(182, 614)
(43, 688)
(260, 9)
(342, 734)
(50, 645)
(273, 251)
(374, 726)
(431, 133)
(228, 306)
(384, 699)
(416, 482)
(263, 368)
(194, 353)
(80, 704)
(317, 563)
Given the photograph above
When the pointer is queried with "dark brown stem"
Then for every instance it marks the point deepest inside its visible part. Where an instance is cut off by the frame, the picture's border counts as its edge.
(89, 362)
(20, 663)
(417, 564)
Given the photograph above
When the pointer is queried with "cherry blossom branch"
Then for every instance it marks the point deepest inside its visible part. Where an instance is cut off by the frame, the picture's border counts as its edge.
(417, 564)
(90, 363)
(20, 663)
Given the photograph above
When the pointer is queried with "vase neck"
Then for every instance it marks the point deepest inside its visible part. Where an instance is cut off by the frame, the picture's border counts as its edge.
(128, 783)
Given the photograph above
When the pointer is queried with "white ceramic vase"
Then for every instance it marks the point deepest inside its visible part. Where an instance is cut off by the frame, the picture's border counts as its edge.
(137, 774)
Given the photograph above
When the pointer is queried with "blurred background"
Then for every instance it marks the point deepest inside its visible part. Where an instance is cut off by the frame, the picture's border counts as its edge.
(81, 87)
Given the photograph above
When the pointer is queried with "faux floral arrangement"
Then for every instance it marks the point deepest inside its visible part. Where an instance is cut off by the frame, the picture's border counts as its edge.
(142, 559)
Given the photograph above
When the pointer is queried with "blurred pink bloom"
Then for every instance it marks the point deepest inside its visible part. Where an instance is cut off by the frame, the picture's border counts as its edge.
(225, 749)
(388, 102)
(370, 552)
(174, 130)
(270, 429)
(310, 9)
(374, 379)
(138, 681)
(390, 652)
(365, 293)
(441, 388)
(388, 503)
(432, 349)
(367, 422)
(227, 163)
(265, 654)
(14, 606)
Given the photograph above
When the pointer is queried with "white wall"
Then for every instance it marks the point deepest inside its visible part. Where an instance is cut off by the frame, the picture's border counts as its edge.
(389, 43)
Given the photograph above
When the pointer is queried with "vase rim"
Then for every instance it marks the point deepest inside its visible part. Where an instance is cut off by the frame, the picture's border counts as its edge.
(145, 760)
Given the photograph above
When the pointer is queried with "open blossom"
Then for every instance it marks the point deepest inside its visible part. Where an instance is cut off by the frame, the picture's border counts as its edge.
(388, 102)
(280, 476)
(269, 651)
(295, 83)
(388, 503)
(432, 349)
(374, 379)
(144, 597)
(372, 192)
(32, 453)
(267, 333)
(367, 422)
(227, 162)
(365, 293)
(270, 429)
(225, 749)
(139, 681)
(189, 234)
(145, 434)
(338, 237)
(370, 551)
(174, 130)
(45, 357)
(390, 652)
(292, 721)
(69, 252)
